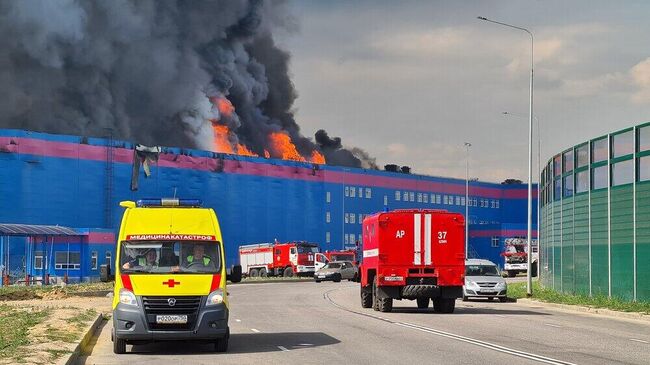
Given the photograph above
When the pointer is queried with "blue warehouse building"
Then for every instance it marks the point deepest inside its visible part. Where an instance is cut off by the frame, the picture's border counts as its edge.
(75, 181)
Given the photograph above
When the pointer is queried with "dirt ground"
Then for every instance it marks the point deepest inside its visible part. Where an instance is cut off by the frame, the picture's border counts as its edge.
(67, 317)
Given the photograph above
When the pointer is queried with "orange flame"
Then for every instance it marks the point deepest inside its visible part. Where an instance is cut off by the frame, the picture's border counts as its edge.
(267, 154)
(282, 147)
(221, 142)
(224, 106)
(317, 158)
(244, 151)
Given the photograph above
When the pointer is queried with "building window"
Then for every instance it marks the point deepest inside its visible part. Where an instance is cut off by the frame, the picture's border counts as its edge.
(425, 198)
(368, 193)
(38, 260)
(568, 186)
(328, 197)
(438, 199)
(385, 199)
(644, 168)
(360, 218)
(412, 195)
(495, 241)
(623, 172)
(622, 144)
(347, 218)
(599, 150)
(353, 218)
(582, 181)
(445, 199)
(558, 189)
(93, 260)
(462, 200)
(327, 237)
(405, 197)
(327, 217)
(398, 196)
(582, 155)
(67, 260)
(457, 200)
(353, 192)
(347, 191)
(598, 178)
(557, 165)
(419, 197)
(360, 192)
(567, 157)
(492, 204)
(109, 258)
(644, 138)
(346, 239)
(497, 204)
(433, 198)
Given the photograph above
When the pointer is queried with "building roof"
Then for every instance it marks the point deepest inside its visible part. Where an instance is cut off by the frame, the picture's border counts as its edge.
(8, 229)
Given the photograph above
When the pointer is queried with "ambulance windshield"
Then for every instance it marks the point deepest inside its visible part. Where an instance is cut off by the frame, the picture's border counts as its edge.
(164, 257)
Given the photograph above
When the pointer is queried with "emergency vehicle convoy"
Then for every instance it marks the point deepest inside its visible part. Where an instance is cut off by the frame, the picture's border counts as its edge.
(413, 254)
(170, 281)
(278, 259)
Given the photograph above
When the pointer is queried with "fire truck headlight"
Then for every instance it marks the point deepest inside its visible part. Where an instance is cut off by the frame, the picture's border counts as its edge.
(216, 297)
(127, 297)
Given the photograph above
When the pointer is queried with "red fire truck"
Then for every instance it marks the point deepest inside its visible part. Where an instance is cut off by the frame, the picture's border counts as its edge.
(413, 254)
(273, 259)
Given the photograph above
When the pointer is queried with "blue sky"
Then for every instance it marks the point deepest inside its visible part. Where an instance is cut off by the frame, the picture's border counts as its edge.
(411, 81)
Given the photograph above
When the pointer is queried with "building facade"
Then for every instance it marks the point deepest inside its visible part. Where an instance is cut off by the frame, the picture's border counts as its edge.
(79, 182)
(595, 217)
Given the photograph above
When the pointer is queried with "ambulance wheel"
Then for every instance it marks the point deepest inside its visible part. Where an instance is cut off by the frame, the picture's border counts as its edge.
(221, 345)
(119, 346)
(263, 272)
(423, 303)
(254, 273)
(366, 297)
(288, 272)
(444, 305)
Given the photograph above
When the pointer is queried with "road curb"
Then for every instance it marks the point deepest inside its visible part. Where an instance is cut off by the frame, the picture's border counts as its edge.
(589, 310)
(88, 335)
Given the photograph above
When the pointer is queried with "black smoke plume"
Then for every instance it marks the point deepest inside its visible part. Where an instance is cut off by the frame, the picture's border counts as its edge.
(145, 70)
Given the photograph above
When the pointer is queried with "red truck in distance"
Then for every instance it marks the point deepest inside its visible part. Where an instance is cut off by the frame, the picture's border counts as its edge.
(278, 259)
(321, 259)
(413, 254)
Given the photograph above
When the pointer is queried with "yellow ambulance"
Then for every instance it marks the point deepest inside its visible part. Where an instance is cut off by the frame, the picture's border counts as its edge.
(170, 275)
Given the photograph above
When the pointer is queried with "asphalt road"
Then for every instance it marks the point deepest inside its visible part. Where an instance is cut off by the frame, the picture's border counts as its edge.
(290, 323)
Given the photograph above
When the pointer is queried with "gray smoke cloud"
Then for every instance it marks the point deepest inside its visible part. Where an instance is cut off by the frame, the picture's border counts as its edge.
(149, 71)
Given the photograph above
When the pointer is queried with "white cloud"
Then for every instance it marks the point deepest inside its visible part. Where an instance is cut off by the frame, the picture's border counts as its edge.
(640, 74)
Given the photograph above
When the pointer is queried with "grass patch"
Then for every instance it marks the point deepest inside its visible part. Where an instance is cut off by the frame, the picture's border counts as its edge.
(83, 317)
(518, 290)
(56, 354)
(14, 329)
(56, 334)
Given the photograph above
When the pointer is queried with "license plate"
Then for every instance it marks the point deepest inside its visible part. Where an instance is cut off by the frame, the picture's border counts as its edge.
(171, 319)
(321, 276)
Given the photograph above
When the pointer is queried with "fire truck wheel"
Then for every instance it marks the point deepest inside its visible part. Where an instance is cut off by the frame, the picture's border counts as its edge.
(375, 300)
(119, 346)
(254, 273)
(444, 305)
(288, 272)
(423, 303)
(263, 272)
(385, 304)
(366, 297)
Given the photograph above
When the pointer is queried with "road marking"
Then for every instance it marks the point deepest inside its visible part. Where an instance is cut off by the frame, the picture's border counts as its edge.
(305, 344)
(255, 330)
(552, 325)
(484, 344)
(637, 340)
(283, 348)
(237, 320)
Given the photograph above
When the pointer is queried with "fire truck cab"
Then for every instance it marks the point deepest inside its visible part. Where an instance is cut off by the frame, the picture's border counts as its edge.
(170, 280)
(413, 254)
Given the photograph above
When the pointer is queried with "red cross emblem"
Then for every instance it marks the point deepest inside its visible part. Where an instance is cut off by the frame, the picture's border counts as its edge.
(170, 283)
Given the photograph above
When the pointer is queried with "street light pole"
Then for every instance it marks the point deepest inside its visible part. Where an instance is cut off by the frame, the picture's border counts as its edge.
(467, 146)
(529, 281)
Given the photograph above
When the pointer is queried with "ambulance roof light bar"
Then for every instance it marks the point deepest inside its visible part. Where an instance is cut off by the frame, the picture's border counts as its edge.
(168, 202)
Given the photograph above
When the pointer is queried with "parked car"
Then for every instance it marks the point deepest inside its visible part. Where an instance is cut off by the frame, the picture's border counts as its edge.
(336, 271)
(482, 280)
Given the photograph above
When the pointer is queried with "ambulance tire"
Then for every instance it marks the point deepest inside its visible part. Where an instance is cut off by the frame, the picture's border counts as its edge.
(288, 272)
(423, 303)
(254, 273)
(366, 297)
(444, 305)
(119, 346)
(263, 273)
(221, 345)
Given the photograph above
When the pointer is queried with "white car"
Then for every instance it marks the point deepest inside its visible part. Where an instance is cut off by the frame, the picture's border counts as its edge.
(482, 280)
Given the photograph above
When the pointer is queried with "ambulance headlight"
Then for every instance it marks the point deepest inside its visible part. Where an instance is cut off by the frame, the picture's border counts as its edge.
(216, 297)
(127, 297)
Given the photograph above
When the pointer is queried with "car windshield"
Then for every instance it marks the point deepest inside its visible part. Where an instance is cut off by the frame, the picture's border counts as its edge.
(481, 270)
(164, 257)
(333, 265)
(307, 249)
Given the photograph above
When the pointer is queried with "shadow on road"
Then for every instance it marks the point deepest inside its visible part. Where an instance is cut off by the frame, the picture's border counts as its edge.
(243, 343)
(472, 310)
